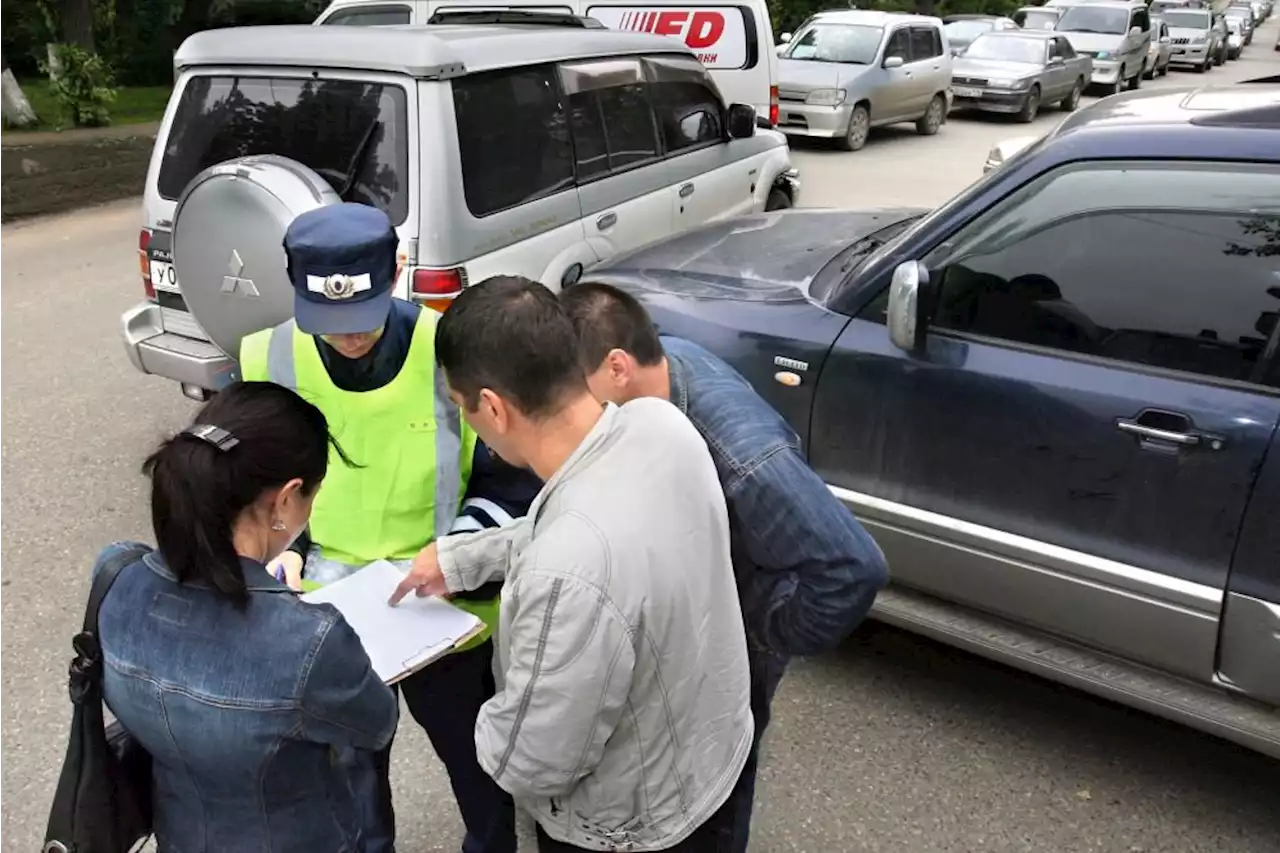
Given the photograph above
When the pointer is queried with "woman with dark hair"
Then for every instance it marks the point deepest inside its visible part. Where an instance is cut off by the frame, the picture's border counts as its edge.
(251, 703)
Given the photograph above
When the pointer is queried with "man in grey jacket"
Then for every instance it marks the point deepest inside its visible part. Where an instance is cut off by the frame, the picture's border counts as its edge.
(623, 720)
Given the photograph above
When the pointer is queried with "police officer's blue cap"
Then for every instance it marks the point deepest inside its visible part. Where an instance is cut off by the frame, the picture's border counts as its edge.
(342, 264)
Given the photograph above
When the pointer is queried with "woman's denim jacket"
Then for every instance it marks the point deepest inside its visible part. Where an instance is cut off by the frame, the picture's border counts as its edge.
(252, 716)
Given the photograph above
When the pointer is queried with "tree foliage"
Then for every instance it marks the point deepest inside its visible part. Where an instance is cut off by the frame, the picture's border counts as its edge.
(82, 84)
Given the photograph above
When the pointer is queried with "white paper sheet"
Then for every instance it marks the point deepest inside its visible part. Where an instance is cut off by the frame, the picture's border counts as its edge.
(402, 639)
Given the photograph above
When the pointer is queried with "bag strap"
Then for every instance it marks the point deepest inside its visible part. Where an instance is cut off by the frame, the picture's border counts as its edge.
(103, 580)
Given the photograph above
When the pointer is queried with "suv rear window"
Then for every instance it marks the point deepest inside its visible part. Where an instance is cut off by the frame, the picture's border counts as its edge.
(336, 127)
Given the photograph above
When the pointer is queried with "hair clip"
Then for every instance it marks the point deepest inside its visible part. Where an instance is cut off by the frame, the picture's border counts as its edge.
(210, 434)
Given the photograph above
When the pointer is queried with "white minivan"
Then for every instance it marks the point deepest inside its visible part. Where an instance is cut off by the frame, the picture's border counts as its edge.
(733, 40)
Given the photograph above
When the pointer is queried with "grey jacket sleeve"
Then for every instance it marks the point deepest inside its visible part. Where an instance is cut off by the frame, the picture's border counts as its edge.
(470, 560)
(569, 668)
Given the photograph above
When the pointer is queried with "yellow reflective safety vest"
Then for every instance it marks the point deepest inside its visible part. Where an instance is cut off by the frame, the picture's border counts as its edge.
(409, 439)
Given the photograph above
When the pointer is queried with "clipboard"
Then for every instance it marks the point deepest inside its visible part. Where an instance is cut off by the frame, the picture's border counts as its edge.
(403, 639)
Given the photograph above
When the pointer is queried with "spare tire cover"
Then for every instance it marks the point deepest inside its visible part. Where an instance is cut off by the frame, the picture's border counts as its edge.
(228, 243)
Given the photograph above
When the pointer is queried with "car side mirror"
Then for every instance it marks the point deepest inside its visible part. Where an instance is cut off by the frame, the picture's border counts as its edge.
(907, 326)
(784, 38)
(893, 62)
(1165, 40)
(1135, 31)
(741, 121)
(1057, 60)
(780, 49)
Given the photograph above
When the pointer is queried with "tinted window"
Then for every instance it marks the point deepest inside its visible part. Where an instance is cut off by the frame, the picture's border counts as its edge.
(1098, 19)
(380, 16)
(922, 40)
(512, 137)
(349, 132)
(899, 45)
(1166, 265)
(1141, 20)
(686, 102)
(613, 125)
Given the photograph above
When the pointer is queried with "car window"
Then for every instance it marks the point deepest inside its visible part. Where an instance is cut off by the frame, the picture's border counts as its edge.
(687, 104)
(350, 132)
(1141, 20)
(512, 138)
(377, 16)
(850, 44)
(1032, 19)
(922, 44)
(612, 119)
(1192, 19)
(1107, 20)
(1007, 49)
(899, 45)
(1169, 265)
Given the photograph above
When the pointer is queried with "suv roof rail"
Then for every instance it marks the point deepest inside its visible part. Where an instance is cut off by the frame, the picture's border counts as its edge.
(514, 17)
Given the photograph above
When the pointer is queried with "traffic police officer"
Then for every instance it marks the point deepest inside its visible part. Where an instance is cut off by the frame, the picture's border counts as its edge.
(368, 362)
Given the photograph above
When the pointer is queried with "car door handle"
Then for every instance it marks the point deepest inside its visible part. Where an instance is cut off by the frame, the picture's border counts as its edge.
(686, 190)
(1168, 427)
(607, 221)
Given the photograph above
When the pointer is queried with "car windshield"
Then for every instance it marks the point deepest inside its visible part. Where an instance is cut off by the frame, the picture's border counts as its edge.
(1038, 20)
(1007, 48)
(968, 30)
(1095, 19)
(353, 134)
(853, 44)
(1189, 19)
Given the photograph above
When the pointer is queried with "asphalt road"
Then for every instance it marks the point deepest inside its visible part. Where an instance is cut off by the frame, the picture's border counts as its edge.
(893, 743)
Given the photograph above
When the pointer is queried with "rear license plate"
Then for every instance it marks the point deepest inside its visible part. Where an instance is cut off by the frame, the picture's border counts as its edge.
(966, 92)
(163, 276)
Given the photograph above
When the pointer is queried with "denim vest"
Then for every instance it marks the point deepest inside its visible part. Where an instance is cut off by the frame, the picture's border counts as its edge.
(254, 717)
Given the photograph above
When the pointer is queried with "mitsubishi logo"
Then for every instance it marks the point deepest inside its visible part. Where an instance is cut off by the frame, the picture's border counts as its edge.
(233, 283)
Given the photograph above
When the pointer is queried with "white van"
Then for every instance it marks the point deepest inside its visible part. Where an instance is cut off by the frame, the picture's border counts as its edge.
(734, 40)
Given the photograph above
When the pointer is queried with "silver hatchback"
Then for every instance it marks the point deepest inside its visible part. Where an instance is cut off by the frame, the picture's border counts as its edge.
(846, 72)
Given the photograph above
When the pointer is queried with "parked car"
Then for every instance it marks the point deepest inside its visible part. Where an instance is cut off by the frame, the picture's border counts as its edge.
(1054, 400)
(1199, 37)
(1235, 37)
(1018, 71)
(1243, 15)
(606, 141)
(1116, 34)
(1038, 17)
(734, 41)
(1160, 54)
(846, 72)
(961, 30)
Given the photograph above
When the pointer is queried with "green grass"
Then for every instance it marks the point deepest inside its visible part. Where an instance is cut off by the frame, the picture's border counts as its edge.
(133, 105)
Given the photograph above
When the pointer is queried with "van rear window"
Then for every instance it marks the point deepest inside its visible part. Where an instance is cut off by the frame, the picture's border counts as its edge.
(353, 134)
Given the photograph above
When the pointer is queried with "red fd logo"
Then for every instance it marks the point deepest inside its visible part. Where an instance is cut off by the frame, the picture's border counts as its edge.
(699, 30)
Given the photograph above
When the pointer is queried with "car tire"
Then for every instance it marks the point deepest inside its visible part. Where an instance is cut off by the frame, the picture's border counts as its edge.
(1164, 72)
(1118, 86)
(1030, 107)
(1202, 67)
(1149, 75)
(778, 200)
(1072, 101)
(1135, 83)
(855, 135)
(934, 115)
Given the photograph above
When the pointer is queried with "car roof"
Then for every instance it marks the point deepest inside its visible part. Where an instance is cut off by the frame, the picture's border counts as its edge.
(874, 17)
(1042, 35)
(433, 52)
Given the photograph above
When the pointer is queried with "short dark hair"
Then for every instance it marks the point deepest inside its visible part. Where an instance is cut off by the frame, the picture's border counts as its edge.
(199, 491)
(510, 334)
(606, 318)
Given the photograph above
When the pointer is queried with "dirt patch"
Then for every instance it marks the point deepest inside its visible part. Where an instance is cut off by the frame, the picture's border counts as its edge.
(55, 172)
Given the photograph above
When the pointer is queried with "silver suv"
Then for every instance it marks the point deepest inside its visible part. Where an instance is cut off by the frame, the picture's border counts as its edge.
(1117, 35)
(846, 72)
(1197, 39)
(536, 151)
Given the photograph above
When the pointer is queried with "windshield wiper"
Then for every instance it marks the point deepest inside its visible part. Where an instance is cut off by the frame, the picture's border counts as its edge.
(357, 159)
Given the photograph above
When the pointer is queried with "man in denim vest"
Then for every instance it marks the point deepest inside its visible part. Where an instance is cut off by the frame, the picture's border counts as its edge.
(807, 571)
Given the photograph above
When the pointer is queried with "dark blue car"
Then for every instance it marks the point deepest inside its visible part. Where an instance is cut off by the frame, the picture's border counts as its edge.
(1054, 400)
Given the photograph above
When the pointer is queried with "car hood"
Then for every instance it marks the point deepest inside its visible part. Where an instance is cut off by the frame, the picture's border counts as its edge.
(1094, 42)
(765, 257)
(993, 68)
(796, 75)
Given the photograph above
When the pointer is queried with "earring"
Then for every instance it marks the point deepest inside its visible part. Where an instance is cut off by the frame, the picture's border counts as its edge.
(278, 525)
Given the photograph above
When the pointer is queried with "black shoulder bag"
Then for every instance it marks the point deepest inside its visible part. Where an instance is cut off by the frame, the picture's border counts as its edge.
(103, 800)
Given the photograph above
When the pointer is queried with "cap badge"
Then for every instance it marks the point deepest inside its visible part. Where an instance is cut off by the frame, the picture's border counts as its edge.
(339, 286)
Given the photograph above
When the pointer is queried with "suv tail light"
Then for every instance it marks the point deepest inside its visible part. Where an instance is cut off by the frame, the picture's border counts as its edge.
(144, 263)
(773, 106)
(437, 288)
